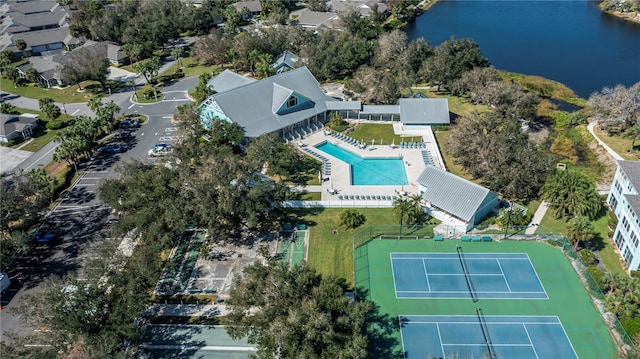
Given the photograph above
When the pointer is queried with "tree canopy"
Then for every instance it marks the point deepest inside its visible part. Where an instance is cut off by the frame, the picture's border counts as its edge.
(296, 313)
(570, 193)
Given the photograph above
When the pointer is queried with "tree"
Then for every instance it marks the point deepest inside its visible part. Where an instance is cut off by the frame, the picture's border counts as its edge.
(86, 64)
(11, 73)
(49, 108)
(570, 193)
(634, 133)
(293, 313)
(617, 105)
(20, 44)
(134, 51)
(351, 219)
(6, 57)
(176, 53)
(232, 19)
(212, 49)
(32, 75)
(148, 68)
(402, 208)
(451, 59)
(580, 228)
(6, 107)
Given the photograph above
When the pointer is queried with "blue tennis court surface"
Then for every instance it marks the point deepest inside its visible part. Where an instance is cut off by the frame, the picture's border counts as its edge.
(489, 275)
(462, 336)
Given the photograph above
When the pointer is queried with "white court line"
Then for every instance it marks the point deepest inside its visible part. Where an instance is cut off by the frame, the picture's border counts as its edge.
(504, 276)
(426, 275)
(393, 274)
(529, 337)
(444, 354)
(404, 351)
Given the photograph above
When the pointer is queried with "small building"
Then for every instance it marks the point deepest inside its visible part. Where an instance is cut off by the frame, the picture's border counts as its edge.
(624, 201)
(364, 7)
(455, 200)
(317, 20)
(285, 61)
(424, 111)
(16, 126)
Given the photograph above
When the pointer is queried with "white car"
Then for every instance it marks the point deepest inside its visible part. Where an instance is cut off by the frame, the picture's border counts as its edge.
(161, 149)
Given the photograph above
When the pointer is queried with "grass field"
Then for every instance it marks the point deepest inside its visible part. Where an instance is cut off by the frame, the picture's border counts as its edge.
(582, 322)
(621, 145)
(377, 132)
(190, 67)
(69, 94)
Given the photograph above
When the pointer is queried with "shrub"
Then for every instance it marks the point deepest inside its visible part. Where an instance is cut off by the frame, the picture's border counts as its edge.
(55, 125)
(635, 274)
(588, 257)
(351, 218)
(597, 274)
(632, 326)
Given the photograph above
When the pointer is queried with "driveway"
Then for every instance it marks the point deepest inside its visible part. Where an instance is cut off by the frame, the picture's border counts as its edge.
(10, 159)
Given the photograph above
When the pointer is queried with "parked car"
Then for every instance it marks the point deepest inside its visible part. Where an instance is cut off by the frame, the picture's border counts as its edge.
(45, 238)
(124, 124)
(123, 135)
(111, 148)
(5, 282)
(160, 149)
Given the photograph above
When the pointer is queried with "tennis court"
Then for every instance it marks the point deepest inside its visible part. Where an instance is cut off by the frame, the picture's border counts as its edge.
(519, 286)
(479, 336)
(460, 275)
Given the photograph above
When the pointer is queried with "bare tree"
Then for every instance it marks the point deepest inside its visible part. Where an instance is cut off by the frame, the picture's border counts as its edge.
(617, 105)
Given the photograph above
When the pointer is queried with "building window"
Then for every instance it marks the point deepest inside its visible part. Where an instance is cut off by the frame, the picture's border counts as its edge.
(634, 239)
(625, 224)
(629, 187)
(627, 255)
(618, 187)
(613, 202)
(292, 101)
(619, 240)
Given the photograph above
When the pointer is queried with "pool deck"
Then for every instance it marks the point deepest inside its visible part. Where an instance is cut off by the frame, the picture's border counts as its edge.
(340, 177)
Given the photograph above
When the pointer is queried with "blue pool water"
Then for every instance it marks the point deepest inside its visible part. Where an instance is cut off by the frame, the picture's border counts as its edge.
(368, 171)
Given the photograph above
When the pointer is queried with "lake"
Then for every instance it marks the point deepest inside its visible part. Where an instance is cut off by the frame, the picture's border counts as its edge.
(572, 42)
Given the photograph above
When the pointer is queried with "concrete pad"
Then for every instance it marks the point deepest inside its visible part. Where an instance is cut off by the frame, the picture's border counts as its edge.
(10, 158)
(122, 75)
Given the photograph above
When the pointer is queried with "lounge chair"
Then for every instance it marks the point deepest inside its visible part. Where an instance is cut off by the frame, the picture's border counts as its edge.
(340, 197)
(466, 238)
(351, 197)
(438, 238)
(357, 197)
(368, 197)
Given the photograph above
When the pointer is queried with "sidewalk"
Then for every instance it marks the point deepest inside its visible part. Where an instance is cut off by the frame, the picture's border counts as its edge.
(186, 310)
(613, 153)
(537, 218)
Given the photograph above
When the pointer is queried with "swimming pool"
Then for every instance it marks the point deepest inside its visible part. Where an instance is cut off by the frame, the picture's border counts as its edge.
(368, 171)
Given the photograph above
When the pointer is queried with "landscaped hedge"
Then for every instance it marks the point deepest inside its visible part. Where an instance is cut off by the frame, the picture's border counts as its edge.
(56, 124)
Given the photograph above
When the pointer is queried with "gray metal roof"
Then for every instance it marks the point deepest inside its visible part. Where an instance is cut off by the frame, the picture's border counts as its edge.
(288, 58)
(228, 80)
(316, 18)
(343, 105)
(451, 193)
(252, 105)
(253, 6)
(632, 170)
(380, 109)
(424, 111)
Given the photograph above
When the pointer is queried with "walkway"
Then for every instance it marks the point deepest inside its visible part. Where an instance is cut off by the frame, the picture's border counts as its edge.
(613, 153)
(187, 310)
(537, 218)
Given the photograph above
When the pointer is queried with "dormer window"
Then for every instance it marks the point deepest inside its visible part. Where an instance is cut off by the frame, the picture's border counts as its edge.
(292, 101)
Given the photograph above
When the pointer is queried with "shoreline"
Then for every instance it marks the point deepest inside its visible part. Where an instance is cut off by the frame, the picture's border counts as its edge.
(628, 16)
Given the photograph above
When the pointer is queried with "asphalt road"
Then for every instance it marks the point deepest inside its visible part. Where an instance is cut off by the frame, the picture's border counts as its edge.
(79, 217)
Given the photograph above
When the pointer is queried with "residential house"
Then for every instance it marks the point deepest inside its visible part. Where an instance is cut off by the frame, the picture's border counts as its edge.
(317, 20)
(455, 200)
(16, 126)
(253, 8)
(228, 80)
(42, 25)
(624, 201)
(286, 61)
(365, 8)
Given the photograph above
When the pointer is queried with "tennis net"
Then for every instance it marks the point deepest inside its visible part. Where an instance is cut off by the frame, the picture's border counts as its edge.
(485, 333)
(467, 277)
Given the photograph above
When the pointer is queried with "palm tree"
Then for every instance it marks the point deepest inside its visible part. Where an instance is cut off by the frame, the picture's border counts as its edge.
(580, 228)
(176, 53)
(351, 219)
(94, 104)
(21, 44)
(416, 210)
(402, 208)
(570, 193)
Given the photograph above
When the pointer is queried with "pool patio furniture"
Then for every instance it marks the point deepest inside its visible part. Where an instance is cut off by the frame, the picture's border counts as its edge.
(486, 239)
(438, 238)
(476, 239)
(466, 238)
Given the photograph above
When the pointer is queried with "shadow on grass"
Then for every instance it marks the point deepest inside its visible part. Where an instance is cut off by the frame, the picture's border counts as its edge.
(296, 216)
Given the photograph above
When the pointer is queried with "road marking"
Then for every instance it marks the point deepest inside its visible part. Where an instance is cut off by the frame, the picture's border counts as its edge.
(156, 134)
(142, 134)
(177, 100)
(168, 138)
(96, 171)
(74, 112)
(167, 116)
(170, 129)
(92, 178)
(129, 108)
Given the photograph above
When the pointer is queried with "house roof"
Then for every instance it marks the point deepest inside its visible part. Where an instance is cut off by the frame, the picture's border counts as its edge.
(41, 37)
(424, 111)
(228, 80)
(253, 105)
(336, 105)
(317, 19)
(632, 170)
(379, 109)
(287, 58)
(28, 7)
(362, 6)
(16, 23)
(253, 6)
(451, 193)
(13, 123)
(47, 66)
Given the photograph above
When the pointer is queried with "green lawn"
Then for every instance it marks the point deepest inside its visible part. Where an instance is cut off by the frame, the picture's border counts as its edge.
(457, 105)
(620, 145)
(42, 136)
(384, 132)
(190, 67)
(606, 252)
(332, 253)
(69, 94)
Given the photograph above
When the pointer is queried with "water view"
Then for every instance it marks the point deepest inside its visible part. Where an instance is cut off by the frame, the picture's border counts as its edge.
(572, 42)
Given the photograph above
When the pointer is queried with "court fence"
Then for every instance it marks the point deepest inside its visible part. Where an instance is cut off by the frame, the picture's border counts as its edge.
(593, 288)
(362, 276)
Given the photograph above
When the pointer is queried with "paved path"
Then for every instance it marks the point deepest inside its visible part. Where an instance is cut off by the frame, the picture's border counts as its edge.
(613, 153)
(187, 310)
(537, 218)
